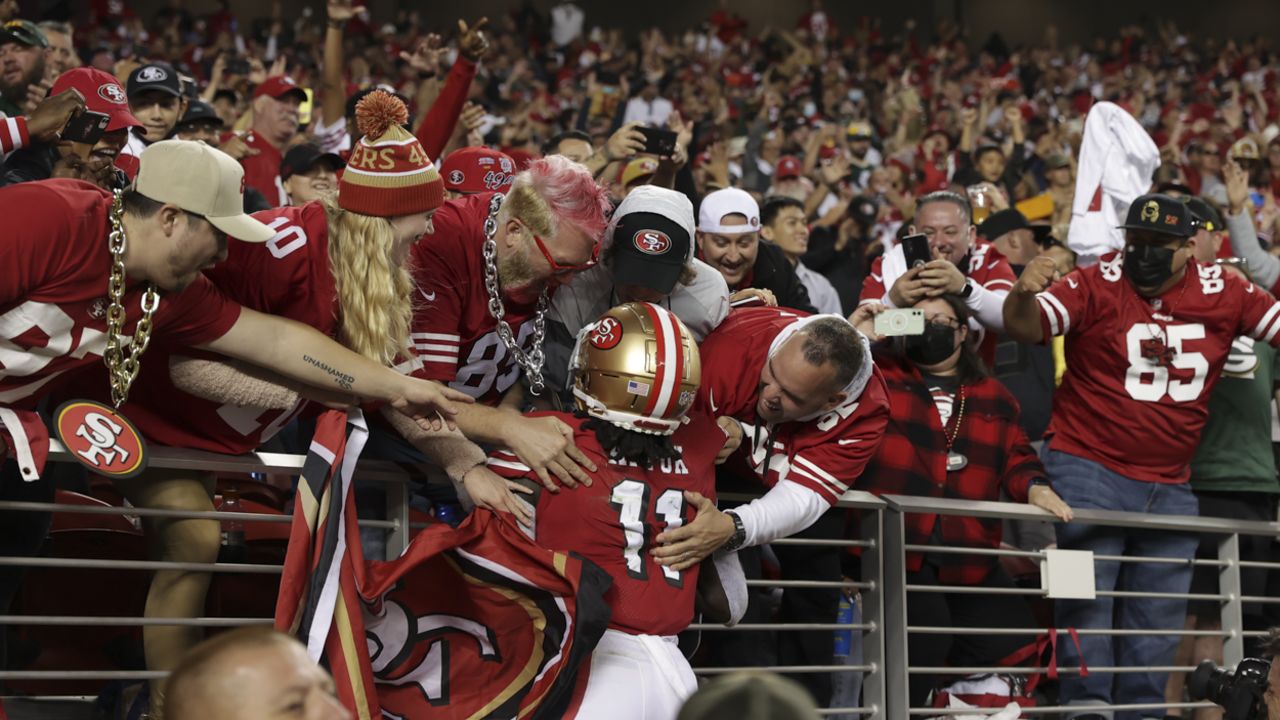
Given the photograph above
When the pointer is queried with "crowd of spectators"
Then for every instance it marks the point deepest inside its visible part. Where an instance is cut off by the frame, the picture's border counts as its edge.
(806, 153)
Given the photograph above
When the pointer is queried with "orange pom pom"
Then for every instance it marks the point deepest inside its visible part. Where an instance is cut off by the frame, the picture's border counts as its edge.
(378, 111)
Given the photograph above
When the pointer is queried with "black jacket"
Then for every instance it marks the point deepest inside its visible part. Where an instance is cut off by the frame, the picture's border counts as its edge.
(36, 163)
(773, 271)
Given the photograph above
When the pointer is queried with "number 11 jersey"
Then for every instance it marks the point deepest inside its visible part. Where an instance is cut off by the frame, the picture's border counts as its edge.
(613, 522)
(1139, 370)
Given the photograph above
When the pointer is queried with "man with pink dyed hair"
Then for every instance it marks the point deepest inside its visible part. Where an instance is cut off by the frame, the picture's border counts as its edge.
(485, 274)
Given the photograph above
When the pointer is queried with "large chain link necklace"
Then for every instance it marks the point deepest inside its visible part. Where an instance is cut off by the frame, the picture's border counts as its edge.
(532, 361)
(123, 369)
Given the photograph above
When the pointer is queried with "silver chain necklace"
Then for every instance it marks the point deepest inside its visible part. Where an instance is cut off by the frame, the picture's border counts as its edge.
(531, 362)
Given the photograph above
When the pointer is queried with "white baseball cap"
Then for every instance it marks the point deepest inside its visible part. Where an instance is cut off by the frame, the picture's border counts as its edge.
(729, 201)
(200, 180)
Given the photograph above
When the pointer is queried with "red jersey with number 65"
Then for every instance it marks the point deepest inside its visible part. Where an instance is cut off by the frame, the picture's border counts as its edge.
(454, 336)
(1139, 371)
(288, 276)
(825, 454)
(613, 522)
(54, 267)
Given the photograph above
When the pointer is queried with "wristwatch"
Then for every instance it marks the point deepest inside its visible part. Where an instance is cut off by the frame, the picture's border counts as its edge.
(967, 290)
(739, 535)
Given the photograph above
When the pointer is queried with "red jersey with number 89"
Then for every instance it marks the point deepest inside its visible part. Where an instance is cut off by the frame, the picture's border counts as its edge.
(1139, 370)
(613, 522)
(454, 336)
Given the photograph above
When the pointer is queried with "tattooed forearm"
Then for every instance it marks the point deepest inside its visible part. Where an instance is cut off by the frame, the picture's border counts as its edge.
(344, 380)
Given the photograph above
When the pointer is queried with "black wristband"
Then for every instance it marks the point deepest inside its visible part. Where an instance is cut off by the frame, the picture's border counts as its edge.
(336, 24)
(739, 535)
(425, 75)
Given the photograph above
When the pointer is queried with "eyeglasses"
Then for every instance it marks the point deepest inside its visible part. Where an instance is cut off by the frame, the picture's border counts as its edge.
(559, 269)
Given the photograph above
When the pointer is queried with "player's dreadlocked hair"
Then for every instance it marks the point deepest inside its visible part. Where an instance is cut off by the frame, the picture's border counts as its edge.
(642, 449)
(375, 289)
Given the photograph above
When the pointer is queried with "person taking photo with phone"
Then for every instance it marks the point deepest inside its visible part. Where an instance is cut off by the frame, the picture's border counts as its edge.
(953, 432)
(958, 262)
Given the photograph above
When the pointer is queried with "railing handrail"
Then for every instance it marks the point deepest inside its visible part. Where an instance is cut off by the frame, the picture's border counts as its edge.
(1112, 518)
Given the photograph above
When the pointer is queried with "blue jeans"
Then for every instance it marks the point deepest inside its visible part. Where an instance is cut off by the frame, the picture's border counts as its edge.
(1085, 484)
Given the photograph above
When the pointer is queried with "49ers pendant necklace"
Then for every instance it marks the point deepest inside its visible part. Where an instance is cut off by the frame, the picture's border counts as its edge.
(99, 437)
(955, 461)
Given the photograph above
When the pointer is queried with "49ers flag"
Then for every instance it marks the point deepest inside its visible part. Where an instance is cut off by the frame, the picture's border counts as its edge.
(473, 622)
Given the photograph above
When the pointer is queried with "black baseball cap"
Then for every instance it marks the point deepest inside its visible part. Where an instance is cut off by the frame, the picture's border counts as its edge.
(650, 250)
(1161, 214)
(1205, 214)
(999, 223)
(154, 76)
(301, 158)
(199, 111)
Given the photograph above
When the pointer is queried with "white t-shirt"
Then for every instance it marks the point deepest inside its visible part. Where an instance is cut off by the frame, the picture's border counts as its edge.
(651, 112)
(566, 23)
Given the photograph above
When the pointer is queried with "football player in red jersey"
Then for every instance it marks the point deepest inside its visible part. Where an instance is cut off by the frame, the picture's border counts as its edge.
(55, 302)
(635, 374)
(811, 407)
(963, 264)
(1147, 334)
(485, 276)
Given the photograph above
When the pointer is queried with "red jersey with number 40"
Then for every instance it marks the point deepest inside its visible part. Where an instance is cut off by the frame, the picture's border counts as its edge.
(1139, 371)
(454, 336)
(288, 276)
(613, 522)
(825, 454)
(54, 267)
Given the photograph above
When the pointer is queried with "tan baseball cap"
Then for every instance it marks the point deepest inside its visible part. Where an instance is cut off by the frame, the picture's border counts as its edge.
(200, 180)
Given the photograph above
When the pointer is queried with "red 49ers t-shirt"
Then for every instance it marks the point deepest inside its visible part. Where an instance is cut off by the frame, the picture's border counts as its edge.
(1139, 371)
(614, 521)
(262, 171)
(289, 276)
(453, 335)
(54, 267)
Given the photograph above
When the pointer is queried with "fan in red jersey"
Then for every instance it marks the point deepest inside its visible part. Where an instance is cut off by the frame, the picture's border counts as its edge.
(154, 238)
(812, 408)
(635, 375)
(963, 264)
(485, 276)
(336, 266)
(1147, 334)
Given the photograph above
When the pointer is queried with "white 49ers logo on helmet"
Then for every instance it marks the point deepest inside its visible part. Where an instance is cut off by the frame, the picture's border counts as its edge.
(607, 334)
(651, 242)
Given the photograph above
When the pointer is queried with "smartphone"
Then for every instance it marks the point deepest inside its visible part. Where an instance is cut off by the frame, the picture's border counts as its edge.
(900, 321)
(916, 250)
(304, 109)
(86, 128)
(237, 66)
(658, 142)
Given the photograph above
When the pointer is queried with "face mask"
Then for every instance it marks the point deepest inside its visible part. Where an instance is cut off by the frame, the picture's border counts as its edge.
(1148, 266)
(933, 346)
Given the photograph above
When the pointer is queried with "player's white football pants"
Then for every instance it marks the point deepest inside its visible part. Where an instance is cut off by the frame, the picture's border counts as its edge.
(636, 677)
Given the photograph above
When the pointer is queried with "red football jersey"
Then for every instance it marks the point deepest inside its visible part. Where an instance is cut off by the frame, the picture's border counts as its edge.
(825, 454)
(1139, 371)
(54, 266)
(613, 522)
(988, 267)
(262, 171)
(289, 276)
(454, 336)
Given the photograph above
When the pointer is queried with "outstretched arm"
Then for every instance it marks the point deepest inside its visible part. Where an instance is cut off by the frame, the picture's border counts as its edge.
(303, 354)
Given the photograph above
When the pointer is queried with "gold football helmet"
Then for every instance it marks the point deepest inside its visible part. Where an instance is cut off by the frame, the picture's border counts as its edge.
(637, 367)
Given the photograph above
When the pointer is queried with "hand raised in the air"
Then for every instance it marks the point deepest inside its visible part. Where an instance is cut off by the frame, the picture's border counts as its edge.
(1038, 275)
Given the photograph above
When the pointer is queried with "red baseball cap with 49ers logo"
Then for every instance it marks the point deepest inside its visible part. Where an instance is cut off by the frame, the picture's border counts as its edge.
(102, 94)
(472, 170)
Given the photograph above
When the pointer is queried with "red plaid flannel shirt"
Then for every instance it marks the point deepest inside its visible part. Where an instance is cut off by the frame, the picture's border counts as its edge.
(912, 460)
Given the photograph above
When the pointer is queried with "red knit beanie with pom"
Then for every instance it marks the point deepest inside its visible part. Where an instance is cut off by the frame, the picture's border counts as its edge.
(389, 174)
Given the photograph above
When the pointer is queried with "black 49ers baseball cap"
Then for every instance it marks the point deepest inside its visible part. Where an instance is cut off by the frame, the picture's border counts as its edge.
(1160, 213)
(652, 234)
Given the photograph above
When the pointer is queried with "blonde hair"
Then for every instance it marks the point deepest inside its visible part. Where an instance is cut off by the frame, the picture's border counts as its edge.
(375, 287)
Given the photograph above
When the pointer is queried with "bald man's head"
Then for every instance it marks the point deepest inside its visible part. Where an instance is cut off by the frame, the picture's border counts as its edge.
(251, 672)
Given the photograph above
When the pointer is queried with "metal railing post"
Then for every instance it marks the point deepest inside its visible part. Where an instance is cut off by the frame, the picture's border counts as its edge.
(894, 609)
(873, 613)
(1232, 607)
(398, 512)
